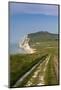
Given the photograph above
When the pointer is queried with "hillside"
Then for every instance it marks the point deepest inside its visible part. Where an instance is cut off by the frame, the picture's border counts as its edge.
(42, 36)
(38, 40)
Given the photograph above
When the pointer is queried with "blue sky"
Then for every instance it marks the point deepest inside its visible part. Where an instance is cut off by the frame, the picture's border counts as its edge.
(28, 18)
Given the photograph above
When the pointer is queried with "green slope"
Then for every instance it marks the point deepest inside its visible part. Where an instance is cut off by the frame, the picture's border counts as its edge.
(42, 36)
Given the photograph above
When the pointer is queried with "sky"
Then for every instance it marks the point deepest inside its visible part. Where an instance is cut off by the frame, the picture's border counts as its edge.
(27, 18)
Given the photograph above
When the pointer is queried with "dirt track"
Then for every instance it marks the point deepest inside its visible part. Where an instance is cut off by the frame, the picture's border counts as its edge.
(38, 76)
(46, 73)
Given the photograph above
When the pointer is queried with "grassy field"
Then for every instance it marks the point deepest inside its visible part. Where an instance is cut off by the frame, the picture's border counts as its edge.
(50, 75)
(21, 63)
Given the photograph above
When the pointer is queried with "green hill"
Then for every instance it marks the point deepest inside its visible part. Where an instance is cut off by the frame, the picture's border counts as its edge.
(42, 36)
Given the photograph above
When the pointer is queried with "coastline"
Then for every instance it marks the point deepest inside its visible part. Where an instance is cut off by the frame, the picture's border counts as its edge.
(25, 45)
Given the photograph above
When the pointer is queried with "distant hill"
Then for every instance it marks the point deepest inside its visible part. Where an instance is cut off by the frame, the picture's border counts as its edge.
(42, 36)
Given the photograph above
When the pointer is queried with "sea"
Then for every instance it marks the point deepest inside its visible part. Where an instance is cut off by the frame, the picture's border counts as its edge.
(15, 49)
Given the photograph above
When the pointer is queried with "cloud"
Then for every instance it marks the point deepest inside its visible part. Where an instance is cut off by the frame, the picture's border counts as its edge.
(18, 8)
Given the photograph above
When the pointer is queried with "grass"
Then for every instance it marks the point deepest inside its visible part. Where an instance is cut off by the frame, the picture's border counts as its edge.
(50, 75)
(42, 58)
(21, 63)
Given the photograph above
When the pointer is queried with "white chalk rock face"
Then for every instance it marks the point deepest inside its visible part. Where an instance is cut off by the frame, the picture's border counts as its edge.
(25, 45)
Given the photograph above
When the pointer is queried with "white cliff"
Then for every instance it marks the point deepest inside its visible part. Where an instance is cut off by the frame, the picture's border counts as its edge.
(25, 46)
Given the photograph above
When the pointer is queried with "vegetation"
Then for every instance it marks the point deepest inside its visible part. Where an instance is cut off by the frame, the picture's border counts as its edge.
(50, 75)
(42, 36)
(20, 64)
(44, 43)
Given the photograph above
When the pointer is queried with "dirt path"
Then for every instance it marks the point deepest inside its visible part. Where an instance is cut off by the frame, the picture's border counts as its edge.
(28, 73)
(43, 73)
(38, 76)
(51, 74)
